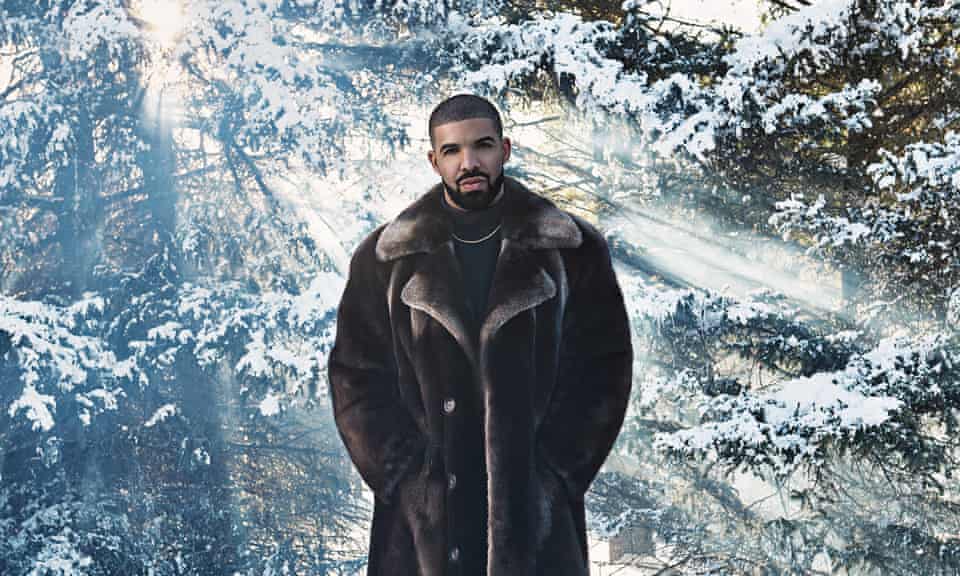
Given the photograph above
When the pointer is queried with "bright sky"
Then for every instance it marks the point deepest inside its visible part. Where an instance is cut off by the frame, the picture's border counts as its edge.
(744, 14)
(165, 18)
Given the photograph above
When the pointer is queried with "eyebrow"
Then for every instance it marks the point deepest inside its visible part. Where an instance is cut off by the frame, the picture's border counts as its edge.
(445, 147)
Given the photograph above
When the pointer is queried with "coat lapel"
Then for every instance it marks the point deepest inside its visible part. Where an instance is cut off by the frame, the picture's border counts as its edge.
(519, 283)
(436, 287)
(530, 223)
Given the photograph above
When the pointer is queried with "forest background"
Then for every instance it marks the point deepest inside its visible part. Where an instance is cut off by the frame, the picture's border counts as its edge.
(182, 183)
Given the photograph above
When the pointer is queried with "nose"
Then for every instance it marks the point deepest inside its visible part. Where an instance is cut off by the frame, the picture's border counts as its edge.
(469, 162)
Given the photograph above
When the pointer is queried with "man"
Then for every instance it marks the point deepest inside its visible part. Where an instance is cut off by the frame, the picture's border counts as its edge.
(481, 368)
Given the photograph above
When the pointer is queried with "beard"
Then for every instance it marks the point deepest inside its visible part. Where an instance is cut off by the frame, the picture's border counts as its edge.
(478, 199)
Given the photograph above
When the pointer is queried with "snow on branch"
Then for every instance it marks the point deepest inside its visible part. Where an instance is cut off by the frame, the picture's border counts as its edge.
(89, 25)
(878, 397)
(53, 358)
(928, 171)
(829, 229)
(907, 226)
(796, 87)
(271, 337)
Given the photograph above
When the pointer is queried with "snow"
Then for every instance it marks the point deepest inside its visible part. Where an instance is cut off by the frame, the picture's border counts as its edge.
(787, 423)
(59, 556)
(88, 25)
(953, 309)
(646, 302)
(125, 368)
(653, 387)
(166, 331)
(107, 397)
(302, 363)
(682, 113)
(90, 302)
(256, 360)
(161, 414)
(284, 335)
(743, 312)
(792, 34)
(795, 110)
(37, 406)
(284, 89)
(830, 230)
(270, 405)
(821, 401)
(193, 299)
(323, 295)
(930, 167)
(53, 358)
(201, 456)
(843, 336)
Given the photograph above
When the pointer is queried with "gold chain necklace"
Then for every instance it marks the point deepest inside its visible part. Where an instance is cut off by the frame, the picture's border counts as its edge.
(476, 241)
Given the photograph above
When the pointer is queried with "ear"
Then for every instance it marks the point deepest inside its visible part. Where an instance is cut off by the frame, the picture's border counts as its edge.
(433, 161)
(507, 146)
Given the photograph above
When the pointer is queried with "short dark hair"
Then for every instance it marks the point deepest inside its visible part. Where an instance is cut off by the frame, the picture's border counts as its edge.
(462, 107)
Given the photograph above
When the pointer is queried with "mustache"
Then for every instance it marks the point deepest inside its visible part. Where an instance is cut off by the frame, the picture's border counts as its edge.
(473, 175)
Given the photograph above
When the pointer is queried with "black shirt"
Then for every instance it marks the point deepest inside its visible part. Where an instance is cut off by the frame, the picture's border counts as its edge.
(478, 260)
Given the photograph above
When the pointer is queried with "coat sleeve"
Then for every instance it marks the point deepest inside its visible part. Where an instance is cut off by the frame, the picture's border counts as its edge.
(380, 434)
(594, 381)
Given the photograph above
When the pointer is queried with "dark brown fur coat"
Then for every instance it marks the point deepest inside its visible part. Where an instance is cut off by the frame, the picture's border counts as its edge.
(540, 392)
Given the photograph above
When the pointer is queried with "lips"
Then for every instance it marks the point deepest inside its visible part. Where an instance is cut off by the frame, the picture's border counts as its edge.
(472, 182)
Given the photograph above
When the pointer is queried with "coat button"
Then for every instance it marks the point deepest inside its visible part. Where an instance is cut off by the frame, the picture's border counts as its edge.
(454, 554)
(449, 405)
(451, 481)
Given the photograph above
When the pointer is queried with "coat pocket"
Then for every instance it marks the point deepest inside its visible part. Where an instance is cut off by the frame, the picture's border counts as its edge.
(422, 502)
(560, 547)
(552, 500)
(421, 494)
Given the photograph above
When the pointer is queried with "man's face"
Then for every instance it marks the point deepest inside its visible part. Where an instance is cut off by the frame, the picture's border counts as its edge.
(469, 156)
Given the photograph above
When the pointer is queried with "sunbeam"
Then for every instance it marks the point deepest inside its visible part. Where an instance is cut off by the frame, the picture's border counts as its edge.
(708, 263)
